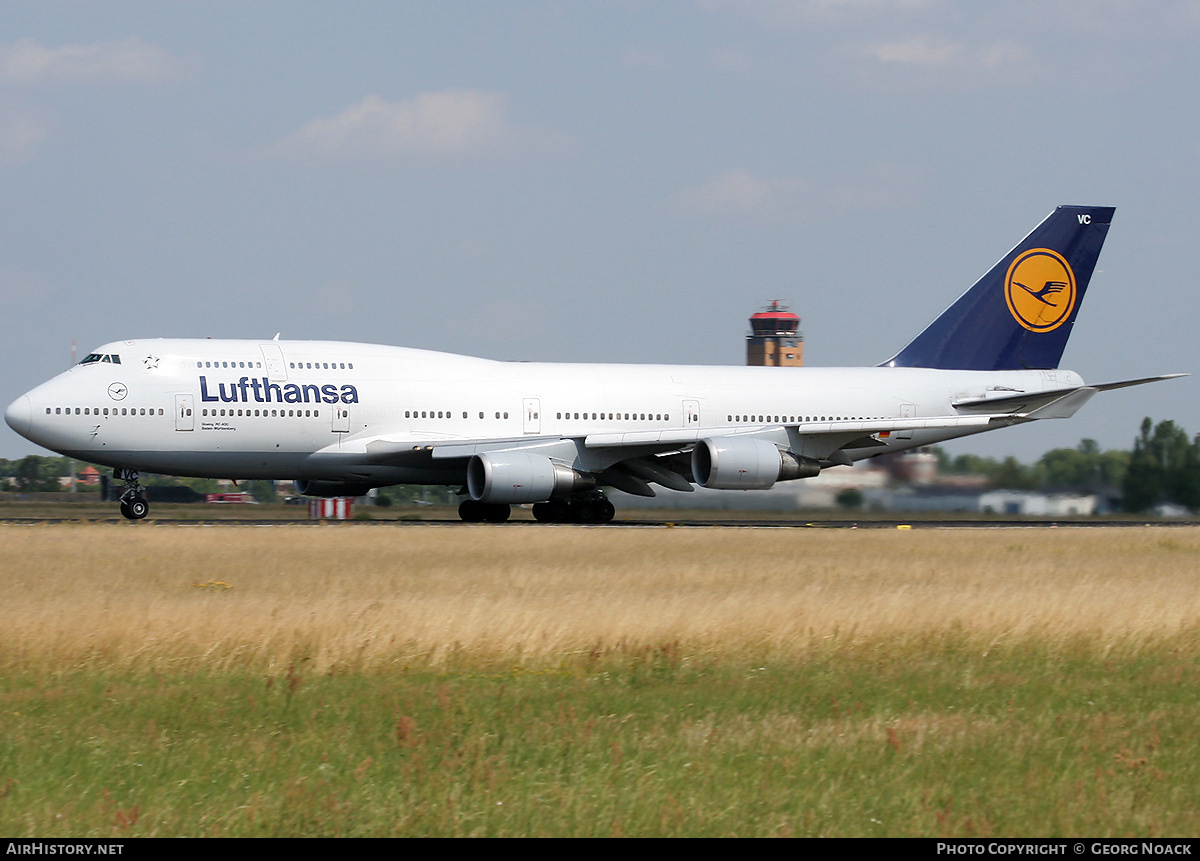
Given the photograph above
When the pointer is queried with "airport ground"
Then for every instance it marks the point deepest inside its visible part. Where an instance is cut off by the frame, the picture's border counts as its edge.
(86, 508)
(442, 679)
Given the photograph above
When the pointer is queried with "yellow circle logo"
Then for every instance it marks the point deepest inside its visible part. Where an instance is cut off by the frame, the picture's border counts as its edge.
(1040, 289)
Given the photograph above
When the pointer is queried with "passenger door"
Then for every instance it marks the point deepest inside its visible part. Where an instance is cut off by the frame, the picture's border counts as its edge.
(273, 361)
(907, 411)
(532, 422)
(185, 419)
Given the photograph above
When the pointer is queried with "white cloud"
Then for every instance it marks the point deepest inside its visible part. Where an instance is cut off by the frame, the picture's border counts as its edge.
(21, 132)
(937, 52)
(1003, 54)
(799, 13)
(935, 60)
(736, 191)
(447, 122)
(739, 192)
(918, 51)
(27, 61)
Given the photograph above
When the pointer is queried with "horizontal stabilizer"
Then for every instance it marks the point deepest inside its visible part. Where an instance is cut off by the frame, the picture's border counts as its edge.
(1022, 403)
(1064, 407)
(1106, 387)
(1049, 404)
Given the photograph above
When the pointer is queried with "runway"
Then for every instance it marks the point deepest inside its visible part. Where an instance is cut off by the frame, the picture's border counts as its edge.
(690, 523)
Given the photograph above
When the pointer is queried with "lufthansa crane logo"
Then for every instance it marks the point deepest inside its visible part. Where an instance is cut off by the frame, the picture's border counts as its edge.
(1040, 290)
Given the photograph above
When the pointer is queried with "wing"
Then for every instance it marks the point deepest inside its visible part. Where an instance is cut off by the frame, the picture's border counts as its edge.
(633, 460)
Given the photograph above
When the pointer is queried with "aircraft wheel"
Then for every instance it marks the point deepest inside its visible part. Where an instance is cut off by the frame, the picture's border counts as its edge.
(135, 508)
(560, 510)
(470, 511)
(555, 511)
(497, 513)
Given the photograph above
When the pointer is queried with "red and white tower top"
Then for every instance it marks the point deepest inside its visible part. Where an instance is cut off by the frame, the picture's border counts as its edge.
(775, 337)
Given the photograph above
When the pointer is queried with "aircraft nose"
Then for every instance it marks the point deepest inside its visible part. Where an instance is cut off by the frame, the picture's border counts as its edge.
(19, 415)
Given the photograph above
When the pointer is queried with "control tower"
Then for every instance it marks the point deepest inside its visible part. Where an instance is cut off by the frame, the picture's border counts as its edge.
(775, 339)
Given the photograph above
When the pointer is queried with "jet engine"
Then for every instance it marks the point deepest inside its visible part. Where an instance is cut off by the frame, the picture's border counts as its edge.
(743, 463)
(330, 488)
(515, 477)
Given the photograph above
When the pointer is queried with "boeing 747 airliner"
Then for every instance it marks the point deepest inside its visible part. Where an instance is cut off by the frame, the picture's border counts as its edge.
(341, 418)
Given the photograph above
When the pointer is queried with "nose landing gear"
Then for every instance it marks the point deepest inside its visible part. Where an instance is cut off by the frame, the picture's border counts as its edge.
(133, 496)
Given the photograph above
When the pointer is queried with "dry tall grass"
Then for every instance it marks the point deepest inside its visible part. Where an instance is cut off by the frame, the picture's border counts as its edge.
(357, 597)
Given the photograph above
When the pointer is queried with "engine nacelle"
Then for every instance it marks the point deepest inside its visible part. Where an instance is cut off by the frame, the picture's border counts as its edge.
(743, 463)
(330, 488)
(515, 477)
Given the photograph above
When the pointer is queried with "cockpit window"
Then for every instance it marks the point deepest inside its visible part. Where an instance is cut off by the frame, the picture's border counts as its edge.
(93, 358)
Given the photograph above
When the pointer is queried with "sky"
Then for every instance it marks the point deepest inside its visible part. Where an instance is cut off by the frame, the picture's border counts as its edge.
(595, 180)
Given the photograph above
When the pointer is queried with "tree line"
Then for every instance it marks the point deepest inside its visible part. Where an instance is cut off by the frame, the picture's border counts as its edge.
(1163, 467)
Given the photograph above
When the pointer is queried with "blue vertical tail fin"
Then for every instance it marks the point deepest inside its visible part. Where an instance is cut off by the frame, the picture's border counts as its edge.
(1020, 313)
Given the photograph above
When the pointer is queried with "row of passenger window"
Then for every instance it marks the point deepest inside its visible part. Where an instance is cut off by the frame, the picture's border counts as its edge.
(106, 411)
(791, 420)
(439, 414)
(636, 417)
(328, 366)
(315, 414)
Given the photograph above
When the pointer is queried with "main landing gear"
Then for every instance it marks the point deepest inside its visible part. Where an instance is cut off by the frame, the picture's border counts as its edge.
(579, 508)
(591, 507)
(133, 496)
(473, 511)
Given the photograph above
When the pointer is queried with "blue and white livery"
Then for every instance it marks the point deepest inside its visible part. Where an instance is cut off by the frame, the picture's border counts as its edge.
(340, 418)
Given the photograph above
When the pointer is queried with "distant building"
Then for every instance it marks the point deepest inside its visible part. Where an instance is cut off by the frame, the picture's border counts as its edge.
(918, 466)
(775, 339)
(1036, 504)
(1023, 503)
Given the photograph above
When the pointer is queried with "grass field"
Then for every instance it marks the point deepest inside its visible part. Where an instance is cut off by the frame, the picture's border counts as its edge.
(358, 680)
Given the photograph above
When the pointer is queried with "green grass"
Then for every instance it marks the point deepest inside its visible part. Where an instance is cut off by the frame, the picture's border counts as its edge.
(922, 738)
(435, 680)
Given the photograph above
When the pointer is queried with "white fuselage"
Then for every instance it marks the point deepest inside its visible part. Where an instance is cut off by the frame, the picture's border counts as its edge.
(324, 409)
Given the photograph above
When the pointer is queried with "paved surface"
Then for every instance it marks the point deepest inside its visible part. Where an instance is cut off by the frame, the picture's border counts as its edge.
(799, 523)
